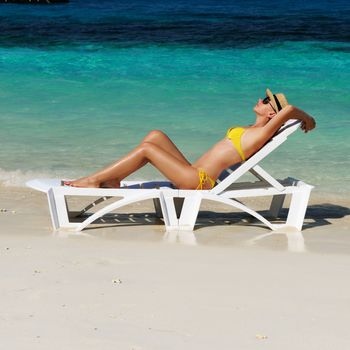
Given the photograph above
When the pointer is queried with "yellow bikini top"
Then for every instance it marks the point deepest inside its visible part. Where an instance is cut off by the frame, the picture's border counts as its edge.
(235, 134)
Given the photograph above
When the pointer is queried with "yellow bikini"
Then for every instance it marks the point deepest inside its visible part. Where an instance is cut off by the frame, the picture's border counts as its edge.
(203, 178)
(235, 134)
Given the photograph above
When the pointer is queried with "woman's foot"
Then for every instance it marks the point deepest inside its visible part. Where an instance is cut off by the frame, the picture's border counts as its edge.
(111, 184)
(83, 182)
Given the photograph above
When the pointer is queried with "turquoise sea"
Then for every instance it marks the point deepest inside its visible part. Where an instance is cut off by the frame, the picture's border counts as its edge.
(73, 100)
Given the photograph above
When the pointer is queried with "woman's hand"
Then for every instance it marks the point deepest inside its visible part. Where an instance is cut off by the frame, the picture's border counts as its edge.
(308, 123)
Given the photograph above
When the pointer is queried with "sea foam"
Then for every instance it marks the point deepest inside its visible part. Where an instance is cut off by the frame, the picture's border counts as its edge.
(18, 178)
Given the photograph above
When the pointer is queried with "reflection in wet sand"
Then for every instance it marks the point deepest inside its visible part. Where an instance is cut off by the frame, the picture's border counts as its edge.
(184, 237)
(295, 240)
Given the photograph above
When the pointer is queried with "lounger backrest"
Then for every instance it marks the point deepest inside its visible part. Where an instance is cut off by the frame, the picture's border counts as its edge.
(230, 175)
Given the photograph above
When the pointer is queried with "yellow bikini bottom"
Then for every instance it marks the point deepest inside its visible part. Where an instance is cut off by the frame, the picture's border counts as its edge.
(203, 178)
(235, 134)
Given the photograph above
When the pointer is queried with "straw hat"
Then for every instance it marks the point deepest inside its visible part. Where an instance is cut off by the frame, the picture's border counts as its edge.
(278, 101)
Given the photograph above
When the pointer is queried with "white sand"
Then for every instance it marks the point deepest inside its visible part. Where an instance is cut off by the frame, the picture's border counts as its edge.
(124, 287)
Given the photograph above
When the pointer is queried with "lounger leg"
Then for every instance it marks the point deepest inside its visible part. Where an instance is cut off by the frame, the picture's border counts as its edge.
(158, 208)
(276, 205)
(53, 209)
(62, 210)
(189, 212)
(170, 219)
(298, 207)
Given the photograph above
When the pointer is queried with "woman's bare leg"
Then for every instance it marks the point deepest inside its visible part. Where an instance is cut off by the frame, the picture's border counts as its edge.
(155, 137)
(177, 171)
(160, 139)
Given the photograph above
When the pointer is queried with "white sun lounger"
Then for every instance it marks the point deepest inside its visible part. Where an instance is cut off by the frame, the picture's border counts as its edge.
(179, 208)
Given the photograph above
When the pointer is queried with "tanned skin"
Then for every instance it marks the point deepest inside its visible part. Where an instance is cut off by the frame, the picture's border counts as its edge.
(157, 148)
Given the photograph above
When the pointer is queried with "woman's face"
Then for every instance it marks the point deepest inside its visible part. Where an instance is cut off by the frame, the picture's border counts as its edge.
(264, 109)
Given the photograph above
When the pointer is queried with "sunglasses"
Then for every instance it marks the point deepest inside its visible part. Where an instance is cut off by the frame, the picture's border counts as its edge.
(266, 101)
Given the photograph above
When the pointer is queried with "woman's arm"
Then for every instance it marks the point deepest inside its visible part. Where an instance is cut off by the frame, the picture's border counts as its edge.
(289, 112)
(307, 122)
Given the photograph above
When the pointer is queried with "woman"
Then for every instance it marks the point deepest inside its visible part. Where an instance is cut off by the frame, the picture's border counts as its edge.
(239, 144)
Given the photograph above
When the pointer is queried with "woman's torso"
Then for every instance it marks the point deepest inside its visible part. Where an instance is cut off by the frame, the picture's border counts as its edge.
(224, 154)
